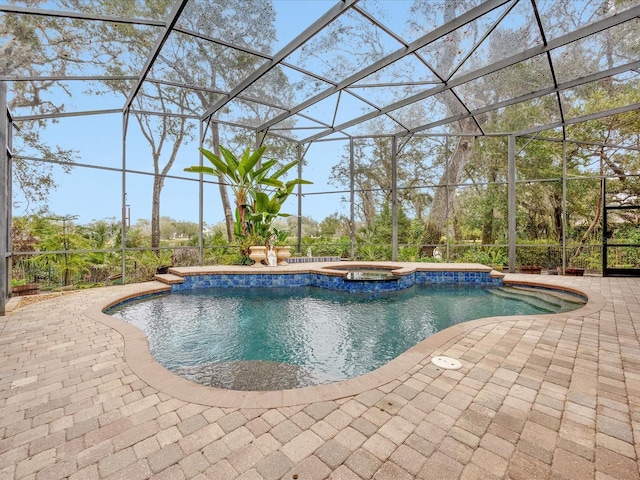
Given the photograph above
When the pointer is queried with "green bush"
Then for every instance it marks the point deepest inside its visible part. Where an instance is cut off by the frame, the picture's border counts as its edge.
(373, 252)
(326, 247)
(539, 255)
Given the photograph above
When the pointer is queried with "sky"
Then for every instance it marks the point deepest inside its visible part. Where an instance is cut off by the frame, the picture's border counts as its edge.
(93, 194)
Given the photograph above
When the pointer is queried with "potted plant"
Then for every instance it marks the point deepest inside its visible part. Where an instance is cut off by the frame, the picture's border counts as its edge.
(258, 253)
(283, 251)
(252, 249)
(535, 269)
(574, 272)
(258, 193)
(571, 270)
(20, 287)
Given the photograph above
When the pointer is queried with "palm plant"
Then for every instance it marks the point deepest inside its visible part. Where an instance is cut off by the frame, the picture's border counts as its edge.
(259, 193)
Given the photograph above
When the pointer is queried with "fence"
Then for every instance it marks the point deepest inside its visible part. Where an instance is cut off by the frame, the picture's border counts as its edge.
(54, 271)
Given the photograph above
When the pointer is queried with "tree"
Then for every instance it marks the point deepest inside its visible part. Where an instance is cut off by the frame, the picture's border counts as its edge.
(159, 130)
(103, 235)
(456, 54)
(258, 192)
(181, 229)
(207, 68)
(372, 176)
(59, 233)
(335, 225)
(210, 68)
(426, 16)
(308, 225)
(482, 207)
(381, 227)
(616, 163)
(31, 49)
(166, 129)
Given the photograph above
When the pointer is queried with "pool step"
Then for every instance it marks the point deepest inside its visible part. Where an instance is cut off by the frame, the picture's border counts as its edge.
(169, 278)
(527, 298)
(565, 297)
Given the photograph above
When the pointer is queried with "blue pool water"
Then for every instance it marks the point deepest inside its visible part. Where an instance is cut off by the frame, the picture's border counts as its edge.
(304, 336)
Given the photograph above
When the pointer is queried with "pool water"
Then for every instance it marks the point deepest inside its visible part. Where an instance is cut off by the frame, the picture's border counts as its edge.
(274, 338)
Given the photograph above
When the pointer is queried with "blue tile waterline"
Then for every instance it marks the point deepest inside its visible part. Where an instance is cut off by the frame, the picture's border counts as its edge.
(332, 282)
(146, 296)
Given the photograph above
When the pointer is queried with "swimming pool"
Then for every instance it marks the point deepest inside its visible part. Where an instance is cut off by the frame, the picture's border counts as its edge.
(271, 339)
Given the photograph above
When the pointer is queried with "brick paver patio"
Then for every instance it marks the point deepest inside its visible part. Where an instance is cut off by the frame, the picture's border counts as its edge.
(540, 397)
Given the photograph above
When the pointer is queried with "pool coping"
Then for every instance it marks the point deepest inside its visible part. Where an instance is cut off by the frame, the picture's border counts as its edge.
(327, 268)
(139, 358)
(329, 275)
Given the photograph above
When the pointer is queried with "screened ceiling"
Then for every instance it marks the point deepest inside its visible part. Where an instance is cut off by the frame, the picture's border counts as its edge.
(315, 70)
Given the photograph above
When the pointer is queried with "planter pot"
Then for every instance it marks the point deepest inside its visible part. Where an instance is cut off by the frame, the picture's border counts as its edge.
(283, 253)
(28, 289)
(571, 272)
(258, 254)
(534, 269)
(574, 272)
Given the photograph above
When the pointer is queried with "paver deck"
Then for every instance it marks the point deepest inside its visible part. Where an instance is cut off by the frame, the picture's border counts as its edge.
(538, 397)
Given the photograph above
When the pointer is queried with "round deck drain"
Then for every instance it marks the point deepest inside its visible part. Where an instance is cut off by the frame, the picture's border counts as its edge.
(447, 363)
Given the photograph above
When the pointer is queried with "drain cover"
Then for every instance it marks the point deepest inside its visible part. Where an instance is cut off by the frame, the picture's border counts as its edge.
(447, 363)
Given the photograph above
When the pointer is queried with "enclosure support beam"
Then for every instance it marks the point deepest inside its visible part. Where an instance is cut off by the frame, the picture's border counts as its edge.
(312, 30)
(590, 29)
(414, 46)
(447, 233)
(352, 197)
(79, 15)
(299, 225)
(5, 199)
(123, 226)
(155, 51)
(564, 206)
(511, 178)
(200, 201)
(394, 198)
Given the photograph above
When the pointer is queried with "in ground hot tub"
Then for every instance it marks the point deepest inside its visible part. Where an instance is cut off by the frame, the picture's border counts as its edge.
(370, 275)
(366, 278)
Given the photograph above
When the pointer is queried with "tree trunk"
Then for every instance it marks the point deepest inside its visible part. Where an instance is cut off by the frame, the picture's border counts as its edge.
(592, 226)
(158, 183)
(368, 204)
(487, 227)
(443, 200)
(160, 173)
(489, 215)
(596, 218)
(229, 219)
(557, 219)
